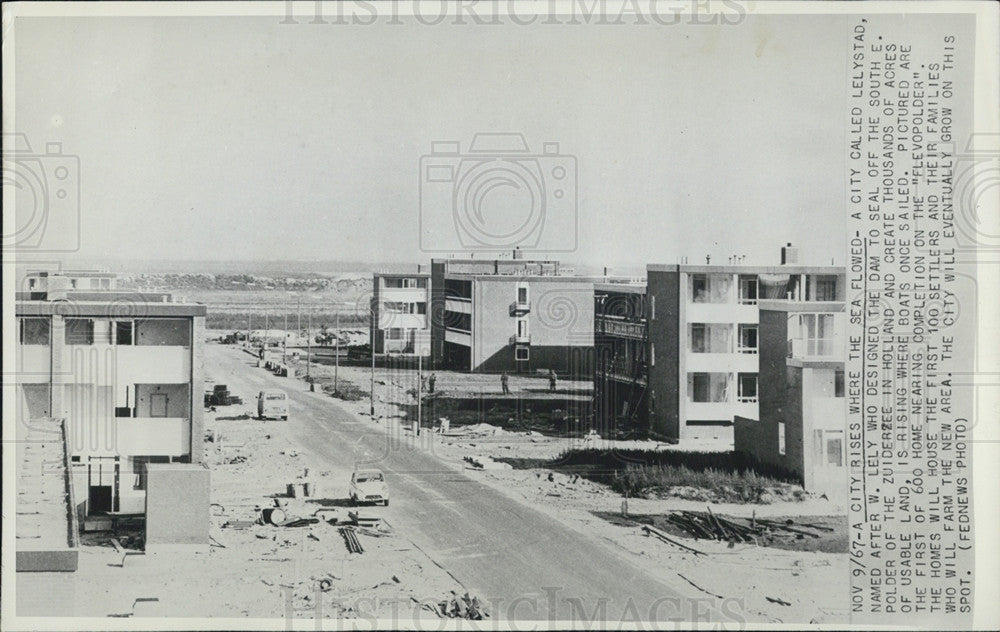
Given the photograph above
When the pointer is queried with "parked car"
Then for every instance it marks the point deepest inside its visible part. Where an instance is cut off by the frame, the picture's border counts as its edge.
(272, 404)
(369, 486)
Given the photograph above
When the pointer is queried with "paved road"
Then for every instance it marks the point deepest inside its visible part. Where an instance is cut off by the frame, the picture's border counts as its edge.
(525, 563)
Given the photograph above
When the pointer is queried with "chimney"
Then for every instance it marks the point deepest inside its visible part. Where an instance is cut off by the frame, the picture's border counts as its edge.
(517, 253)
(789, 254)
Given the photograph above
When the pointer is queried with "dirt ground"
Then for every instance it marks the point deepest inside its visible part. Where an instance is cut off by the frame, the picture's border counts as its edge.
(775, 584)
(257, 570)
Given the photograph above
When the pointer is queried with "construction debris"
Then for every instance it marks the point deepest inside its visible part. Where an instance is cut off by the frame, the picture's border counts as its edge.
(351, 540)
(462, 607)
(709, 526)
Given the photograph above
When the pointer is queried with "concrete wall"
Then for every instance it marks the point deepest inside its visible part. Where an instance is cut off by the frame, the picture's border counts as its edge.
(663, 290)
(560, 324)
(177, 500)
(436, 311)
(197, 410)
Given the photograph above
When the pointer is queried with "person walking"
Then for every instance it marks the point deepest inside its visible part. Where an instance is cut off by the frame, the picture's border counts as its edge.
(552, 381)
(430, 383)
(504, 379)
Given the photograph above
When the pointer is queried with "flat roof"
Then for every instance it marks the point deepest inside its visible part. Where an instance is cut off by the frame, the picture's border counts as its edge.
(406, 275)
(745, 269)
(565, 278)
(108, 309)
(799, 306)
(627, 288)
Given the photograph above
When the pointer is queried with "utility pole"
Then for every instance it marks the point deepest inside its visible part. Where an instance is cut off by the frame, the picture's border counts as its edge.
(336, 362)
(309, 350)
(420, 388)
(267, 331)
(372, 389)
(284, 338)
(298, 313)
(249, 329)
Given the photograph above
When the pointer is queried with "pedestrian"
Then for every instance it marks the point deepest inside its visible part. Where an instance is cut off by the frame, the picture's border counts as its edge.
(504, 383)
(552, 381)
(430, 383)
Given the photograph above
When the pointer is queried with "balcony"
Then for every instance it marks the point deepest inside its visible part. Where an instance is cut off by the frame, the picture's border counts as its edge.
(520, 339)
(620, 328)
(153, 364)
(169, 436)
(814, 348)
(518, 308)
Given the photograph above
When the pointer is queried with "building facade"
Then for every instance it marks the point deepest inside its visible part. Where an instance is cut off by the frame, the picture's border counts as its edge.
(124, 369)
(688, 352)
(511, 315)
(400, 315)
(802, 417)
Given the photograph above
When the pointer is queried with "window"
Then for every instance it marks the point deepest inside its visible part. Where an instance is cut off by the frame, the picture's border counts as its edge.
(781, 438)
(710, 338)
(394, 333)
(34, 331)
(710, 288)
(708, 387)
(522, 327)
(522, 294)
(834, 447)
(748, 289)
(838, 383)
(828, 448)
(748, 338)
(79, 331)
(521, 354)
(816, 330)
(123, 332)
(747, 388)
(826, 288)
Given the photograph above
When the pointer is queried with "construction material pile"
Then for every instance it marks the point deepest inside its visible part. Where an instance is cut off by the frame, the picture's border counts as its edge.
(462, 607)
(351, 540)
(709, 526)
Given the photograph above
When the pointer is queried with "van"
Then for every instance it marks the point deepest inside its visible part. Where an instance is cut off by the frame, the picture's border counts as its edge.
(272, 404)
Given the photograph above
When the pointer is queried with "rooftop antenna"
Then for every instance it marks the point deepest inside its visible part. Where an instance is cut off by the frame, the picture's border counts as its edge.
(708, 259)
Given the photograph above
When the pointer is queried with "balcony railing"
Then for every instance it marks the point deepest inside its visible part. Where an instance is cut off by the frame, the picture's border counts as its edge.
(620, 328)
(623, 371)
(812, 347)
(520, 339)
(520, 307)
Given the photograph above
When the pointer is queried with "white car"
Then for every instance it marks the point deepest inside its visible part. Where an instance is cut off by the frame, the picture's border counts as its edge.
(369, 486)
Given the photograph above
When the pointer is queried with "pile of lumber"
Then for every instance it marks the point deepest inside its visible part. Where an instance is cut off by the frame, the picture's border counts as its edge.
(351, 540)
(710, 526)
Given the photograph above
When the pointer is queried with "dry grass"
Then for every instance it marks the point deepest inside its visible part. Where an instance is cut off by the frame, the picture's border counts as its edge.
(716, 476)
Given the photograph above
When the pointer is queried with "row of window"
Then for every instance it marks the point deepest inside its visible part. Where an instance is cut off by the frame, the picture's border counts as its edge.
(717, 338)
(83, 331)
(717, 288)
(404, 282)
(716, 387)
(400, 307)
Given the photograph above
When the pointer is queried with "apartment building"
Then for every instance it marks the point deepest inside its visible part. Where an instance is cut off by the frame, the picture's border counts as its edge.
(511, 315)
(400, 318)
(124, 369)
(802, 417)
(683, 360)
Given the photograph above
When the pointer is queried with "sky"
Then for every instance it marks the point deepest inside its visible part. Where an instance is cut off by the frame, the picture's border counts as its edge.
(248, 139)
